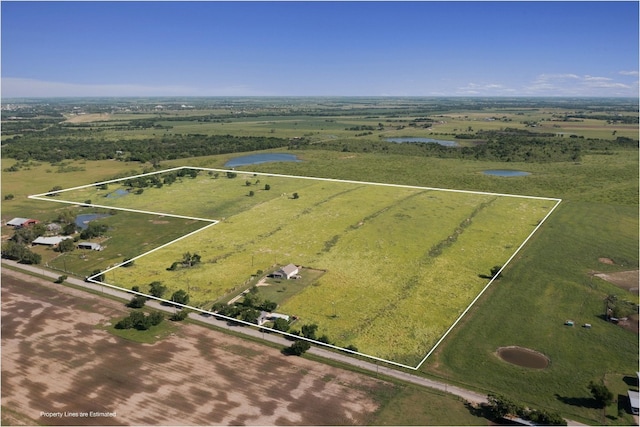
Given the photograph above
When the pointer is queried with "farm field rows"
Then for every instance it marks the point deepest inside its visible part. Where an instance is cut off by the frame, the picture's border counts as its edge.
(401, 263)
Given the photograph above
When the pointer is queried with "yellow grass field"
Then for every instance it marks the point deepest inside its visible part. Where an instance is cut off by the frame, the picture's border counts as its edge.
(402, 263)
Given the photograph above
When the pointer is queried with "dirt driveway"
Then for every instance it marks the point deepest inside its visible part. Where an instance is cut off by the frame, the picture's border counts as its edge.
(59, 369)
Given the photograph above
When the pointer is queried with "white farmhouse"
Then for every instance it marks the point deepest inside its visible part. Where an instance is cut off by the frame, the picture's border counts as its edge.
(287, 272)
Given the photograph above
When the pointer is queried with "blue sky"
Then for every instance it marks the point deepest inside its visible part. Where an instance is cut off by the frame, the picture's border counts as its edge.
(335, 48)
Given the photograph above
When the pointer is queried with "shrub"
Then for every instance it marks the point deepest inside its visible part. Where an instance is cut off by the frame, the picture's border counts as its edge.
(179, 316)
(298, 348)
(137, 302)
(156, 318)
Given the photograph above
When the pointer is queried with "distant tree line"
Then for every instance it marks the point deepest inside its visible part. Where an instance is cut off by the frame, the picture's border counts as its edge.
(46, 146)
(510, 145)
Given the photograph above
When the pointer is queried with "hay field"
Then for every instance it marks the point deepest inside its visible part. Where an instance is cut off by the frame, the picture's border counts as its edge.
(402, 263)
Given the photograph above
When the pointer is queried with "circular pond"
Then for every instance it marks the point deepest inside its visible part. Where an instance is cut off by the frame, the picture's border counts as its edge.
(505, 172)
(523, 357)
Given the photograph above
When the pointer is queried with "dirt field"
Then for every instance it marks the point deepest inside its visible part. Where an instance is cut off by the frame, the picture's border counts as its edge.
(625, 279)
(58, 368)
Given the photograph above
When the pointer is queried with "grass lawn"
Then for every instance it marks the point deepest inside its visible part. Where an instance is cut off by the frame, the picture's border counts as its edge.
(415, 406)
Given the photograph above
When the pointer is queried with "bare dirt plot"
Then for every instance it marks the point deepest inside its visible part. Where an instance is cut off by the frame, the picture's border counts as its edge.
(628, 280)
(55, 360)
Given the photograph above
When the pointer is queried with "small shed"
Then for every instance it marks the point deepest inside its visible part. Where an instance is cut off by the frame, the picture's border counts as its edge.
(22, 222)
(287, 272)
(634, 399)
(90, 246)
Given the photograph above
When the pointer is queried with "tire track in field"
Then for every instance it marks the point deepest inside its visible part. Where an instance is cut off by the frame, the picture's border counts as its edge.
(242, 246)
(329, 244)
(414, 281)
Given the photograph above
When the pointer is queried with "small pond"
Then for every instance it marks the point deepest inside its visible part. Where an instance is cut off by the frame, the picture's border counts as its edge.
(505, 172)
(83, 220)
(254, 159)
(523, 357)
(423, 140)
(118, 193)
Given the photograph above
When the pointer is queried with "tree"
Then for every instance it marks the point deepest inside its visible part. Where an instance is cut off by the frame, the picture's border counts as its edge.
(250, 315)
(61, 279)
(26, 235)
(54, 191)
(139, 320)
(298, 348)
(281, 324)
(67, 245)
(495, 272)
(601, 394)
(157, 289)
(268, 306)
(156, 318)
(179, 316)
(127, 262)
(189, 260)
(499, 406)
(267, 187)
(181, 297)
(609, 304)
(69, 229)
(99, 276)
(20, 253)
(309, 331)
(251, 193)
(295, 195)
(94, 229)
(137, 301)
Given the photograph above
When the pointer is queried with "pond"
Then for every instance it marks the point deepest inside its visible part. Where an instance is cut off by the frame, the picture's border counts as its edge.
(118, 193)
(505, 172)
(82, 221)
(423, 140)
(523, 357)
(254, 159)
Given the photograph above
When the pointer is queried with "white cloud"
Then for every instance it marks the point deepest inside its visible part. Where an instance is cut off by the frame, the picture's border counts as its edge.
(629, 73)
(13, 87)
(575, 85)
(486, 89)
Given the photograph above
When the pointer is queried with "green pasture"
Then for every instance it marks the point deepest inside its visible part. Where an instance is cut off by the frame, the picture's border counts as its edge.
(401, 263)
(549, 284)
(40, 177)
(417, 406)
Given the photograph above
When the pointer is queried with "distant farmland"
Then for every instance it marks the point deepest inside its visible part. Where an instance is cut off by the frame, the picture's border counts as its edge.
(400, 263)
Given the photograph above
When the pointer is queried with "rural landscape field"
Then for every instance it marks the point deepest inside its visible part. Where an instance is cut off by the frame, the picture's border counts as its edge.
(399, 264)
(389, 256)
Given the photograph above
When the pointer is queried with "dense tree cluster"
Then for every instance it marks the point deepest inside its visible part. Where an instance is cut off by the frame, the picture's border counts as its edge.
(19, 252)
(86, 144)
(140, 321)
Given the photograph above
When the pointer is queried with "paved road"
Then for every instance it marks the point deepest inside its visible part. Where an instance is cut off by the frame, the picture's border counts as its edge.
(468, 395)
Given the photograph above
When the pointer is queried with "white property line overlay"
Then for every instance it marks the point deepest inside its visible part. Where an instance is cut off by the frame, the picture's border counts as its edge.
(47, 197)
